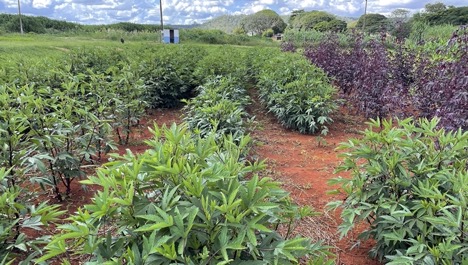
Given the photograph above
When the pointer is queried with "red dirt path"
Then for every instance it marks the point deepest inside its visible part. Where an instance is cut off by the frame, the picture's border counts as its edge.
(304, 164)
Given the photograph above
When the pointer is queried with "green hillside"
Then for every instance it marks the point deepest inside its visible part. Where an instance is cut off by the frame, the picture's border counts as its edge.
(226, 23)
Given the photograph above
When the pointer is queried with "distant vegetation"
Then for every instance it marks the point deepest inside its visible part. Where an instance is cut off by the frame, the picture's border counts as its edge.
(261, 22)
(316, 20)
(226, 23)
(438, 14)
(299, 27)
(9, 24)
(127, 31)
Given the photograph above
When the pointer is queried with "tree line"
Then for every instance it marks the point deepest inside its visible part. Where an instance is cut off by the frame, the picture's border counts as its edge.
(268, 22)
(9, 23)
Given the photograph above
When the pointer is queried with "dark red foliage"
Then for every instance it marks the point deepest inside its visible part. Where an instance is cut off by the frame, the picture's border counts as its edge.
(288, 46)
(441, 87)
(382, 78)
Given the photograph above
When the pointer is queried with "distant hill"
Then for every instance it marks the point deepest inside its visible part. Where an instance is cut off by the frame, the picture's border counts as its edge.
(226, 23)
(286, 18)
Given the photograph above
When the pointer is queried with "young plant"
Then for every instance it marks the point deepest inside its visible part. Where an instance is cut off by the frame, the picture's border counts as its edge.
(186, 200)
(223, 61)
(129, 105)
(18, 213)
(288, 46)
(299, 95)
(219, 106)
(410, 183)
(168, 74)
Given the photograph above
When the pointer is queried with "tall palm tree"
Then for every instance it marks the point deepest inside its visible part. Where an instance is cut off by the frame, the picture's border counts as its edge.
(20, 20)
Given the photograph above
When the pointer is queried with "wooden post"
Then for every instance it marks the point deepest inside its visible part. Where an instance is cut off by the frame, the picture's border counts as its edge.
(162, 20)
(20, 20)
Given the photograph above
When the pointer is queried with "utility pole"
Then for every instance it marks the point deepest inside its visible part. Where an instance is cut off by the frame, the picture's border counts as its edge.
(365, 16)
(21, 21)
(162, 20)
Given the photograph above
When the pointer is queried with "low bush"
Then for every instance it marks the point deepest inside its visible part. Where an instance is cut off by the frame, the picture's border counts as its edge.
(223, 61)
(18, 213)
(390, 77)
(219, 106)
(298, 94)
(288, 46)
(410, 183)
(168, 73)
(186, 200)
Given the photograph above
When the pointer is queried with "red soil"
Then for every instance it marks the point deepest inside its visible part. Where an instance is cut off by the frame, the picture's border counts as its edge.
(304, 164)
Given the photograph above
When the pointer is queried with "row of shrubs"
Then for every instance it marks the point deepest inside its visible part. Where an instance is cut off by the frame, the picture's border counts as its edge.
(219, 107)
(187, 200)
(69, 108)
(298, 94)
(409, 177)
(401, 80)
(409, 185)
(193, 198)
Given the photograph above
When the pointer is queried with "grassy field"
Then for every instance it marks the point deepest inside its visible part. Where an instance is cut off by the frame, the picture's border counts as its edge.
(16, 46)
(26, 46)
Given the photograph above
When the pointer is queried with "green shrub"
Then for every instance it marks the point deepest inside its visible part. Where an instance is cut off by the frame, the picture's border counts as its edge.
(185, 201)
(223, 61)
(297, 93)
(97, 59)
(17, 213)
(410, 183)
(50, 130)
(268, 33)
(301, 38)
(219, 106)
(168, 73)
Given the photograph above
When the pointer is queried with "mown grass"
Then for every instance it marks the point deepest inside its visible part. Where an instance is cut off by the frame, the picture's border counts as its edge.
(55, 45)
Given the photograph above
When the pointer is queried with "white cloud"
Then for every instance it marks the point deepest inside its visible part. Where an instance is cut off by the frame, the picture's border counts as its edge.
(41, 3)
(14, 3)
(254, 8)
(390, 3)
(285, 10)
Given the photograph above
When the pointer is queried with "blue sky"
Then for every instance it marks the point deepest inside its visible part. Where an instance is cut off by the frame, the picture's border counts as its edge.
(195, 11)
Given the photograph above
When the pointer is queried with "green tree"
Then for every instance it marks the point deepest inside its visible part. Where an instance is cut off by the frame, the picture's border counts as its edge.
(400, 15)
(307, 20)
(435, 8)
(399, 23)
(259, 22)
(373, 23)
(442, 16)
(268, 33)
(294, 15)
(239, 31)
(334, 25)
(454, 16)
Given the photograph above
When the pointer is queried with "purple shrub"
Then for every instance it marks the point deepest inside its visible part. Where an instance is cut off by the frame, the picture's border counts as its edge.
(336, 61)
(442, 86)
(372, 82)
(363, 73)
(387, 79)
(288, 46)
